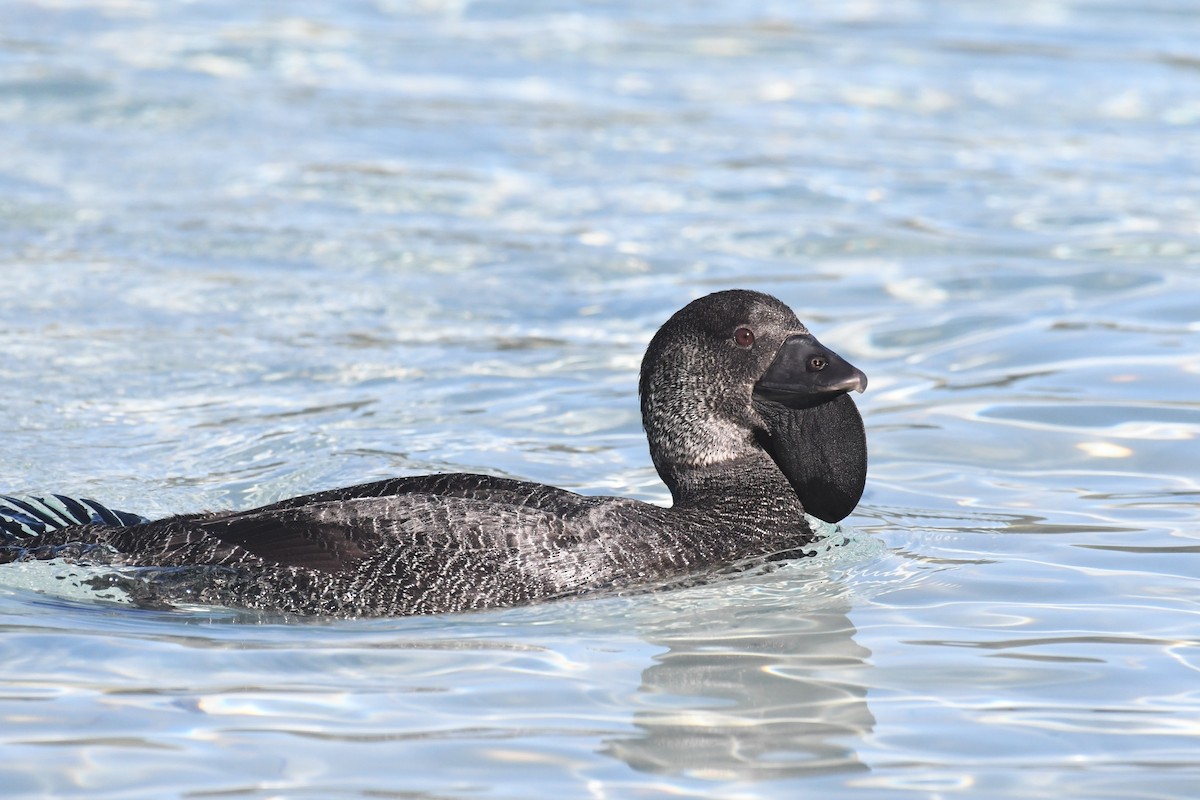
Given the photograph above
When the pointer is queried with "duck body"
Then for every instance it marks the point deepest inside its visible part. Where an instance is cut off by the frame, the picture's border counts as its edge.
(749, 424)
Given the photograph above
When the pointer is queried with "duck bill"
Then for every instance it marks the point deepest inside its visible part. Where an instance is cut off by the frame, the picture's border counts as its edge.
(806, 372)
(812, 429)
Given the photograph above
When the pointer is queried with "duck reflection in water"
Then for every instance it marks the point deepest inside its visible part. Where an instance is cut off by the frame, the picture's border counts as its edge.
(780, 697)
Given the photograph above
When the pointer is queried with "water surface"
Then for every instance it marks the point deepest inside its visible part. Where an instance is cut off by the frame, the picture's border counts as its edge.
(252, 250)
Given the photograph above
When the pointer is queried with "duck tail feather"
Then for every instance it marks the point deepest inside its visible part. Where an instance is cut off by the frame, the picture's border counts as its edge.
(26, 517)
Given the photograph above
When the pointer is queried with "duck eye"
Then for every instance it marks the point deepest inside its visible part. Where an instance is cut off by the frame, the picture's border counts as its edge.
(816, 363)
(744, 337)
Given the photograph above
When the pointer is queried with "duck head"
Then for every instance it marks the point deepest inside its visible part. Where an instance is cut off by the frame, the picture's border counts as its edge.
(735, 375)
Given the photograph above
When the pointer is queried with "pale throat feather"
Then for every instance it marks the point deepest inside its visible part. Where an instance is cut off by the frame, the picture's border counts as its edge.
(697, 427)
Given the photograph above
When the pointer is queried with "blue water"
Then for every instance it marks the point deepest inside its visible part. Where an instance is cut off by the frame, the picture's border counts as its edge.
(255, 249)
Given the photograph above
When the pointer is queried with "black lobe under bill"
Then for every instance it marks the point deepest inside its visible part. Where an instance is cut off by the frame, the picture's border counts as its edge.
(813, 431)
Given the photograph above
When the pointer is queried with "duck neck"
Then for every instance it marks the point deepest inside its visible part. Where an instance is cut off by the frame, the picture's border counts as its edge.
(750, 486)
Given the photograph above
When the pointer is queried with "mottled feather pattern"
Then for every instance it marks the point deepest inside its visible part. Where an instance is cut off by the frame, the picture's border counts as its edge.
(453, 542)
(417, 553)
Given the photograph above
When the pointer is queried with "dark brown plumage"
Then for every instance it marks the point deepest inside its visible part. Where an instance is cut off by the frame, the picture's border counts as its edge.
(749, 425)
